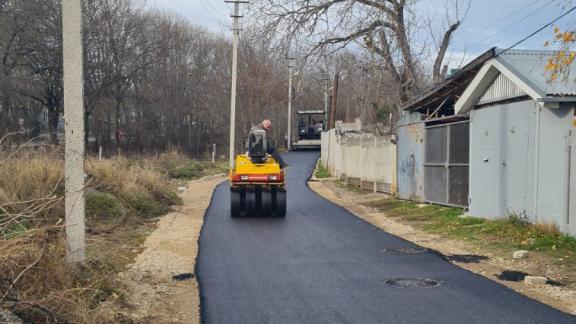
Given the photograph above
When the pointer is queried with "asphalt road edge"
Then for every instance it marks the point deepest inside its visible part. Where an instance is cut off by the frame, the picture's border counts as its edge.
(201, 310)
(545, 294)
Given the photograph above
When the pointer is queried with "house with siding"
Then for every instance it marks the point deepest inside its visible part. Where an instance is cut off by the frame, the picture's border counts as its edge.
(497, 137)
(522, 146)
(432, 157)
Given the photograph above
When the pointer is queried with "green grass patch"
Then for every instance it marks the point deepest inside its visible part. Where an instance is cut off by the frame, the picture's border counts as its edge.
(15, 231)
(189, 170)
(509, 232)
(103, 206)
(143, 204)
(322, 172)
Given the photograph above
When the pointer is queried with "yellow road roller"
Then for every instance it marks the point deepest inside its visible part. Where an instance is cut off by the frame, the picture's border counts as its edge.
(257, 186)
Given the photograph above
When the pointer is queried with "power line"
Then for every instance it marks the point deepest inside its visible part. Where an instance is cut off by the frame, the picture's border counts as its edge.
(214, 8)
(497, 21)
(539, 30)
(512, 24)
(216, 19)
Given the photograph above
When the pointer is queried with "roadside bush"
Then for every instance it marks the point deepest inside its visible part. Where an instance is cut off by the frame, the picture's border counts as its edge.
(103, 206)
(189, 170)
(144, 190)
(143, 204)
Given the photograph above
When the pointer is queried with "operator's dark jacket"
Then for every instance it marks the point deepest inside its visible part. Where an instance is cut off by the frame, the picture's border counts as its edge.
(271, 149)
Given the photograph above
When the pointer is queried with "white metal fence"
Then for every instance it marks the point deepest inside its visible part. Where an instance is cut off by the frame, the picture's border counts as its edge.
(362, 160)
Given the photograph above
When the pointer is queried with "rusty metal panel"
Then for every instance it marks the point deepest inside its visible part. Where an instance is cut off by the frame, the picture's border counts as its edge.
(458, 186)
(353, 181)
(410, 162)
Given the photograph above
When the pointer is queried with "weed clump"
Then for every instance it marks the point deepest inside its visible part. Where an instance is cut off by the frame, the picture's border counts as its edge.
(188, 170)
(103, 206)
(142, 203)
(322, 172)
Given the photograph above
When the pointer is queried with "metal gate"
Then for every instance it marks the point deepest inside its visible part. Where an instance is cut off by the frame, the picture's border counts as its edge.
(411, 161)
(446, 161)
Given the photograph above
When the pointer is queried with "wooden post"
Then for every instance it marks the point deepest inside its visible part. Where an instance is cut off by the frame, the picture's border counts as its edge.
(334, 101)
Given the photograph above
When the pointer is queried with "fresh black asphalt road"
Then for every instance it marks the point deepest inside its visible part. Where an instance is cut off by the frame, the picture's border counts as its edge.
(322, 264)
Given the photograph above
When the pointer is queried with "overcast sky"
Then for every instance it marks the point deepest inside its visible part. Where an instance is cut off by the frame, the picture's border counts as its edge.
(489, 22)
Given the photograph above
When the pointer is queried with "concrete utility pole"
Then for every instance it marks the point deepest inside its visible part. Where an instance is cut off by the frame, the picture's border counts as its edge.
(236, 31)
(290, 74)
(74, 130)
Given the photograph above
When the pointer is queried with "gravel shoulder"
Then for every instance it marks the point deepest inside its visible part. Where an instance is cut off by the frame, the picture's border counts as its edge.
(171, 250)
(562, 298)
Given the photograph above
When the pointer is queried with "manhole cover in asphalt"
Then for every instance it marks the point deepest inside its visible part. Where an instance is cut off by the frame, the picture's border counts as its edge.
(409, 250)
(413, 282)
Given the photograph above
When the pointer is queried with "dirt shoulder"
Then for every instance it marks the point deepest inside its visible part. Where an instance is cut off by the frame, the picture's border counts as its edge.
(560, 297)
(156, 296)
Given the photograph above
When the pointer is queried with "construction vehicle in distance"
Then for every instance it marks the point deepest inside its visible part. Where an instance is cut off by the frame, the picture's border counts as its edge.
(257, 186)
(311, 124)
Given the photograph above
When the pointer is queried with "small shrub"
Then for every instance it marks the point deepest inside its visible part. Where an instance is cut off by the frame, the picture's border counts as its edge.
(101, 205)
(15, 231)
(189, 170)
(143, 204)
(173, 198)
(322, 172)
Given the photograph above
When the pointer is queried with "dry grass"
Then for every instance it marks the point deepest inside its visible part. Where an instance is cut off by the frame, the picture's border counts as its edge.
(35, 280)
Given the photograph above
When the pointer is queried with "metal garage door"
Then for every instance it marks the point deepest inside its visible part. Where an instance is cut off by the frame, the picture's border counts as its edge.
(446, 160)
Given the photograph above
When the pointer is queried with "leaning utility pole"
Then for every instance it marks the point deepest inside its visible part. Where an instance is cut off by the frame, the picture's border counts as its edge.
(290, 72)
(236, 31)
(75, 206)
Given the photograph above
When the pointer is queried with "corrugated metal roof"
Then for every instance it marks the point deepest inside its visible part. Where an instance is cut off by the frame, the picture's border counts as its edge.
(453, 85)
(529, 65)
(501, 89)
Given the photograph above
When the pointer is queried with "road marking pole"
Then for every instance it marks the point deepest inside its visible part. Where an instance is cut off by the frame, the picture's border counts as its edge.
(75, 206)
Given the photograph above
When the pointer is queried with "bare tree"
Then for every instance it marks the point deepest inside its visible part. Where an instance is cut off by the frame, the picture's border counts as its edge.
(153, 80)
(389, 28)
